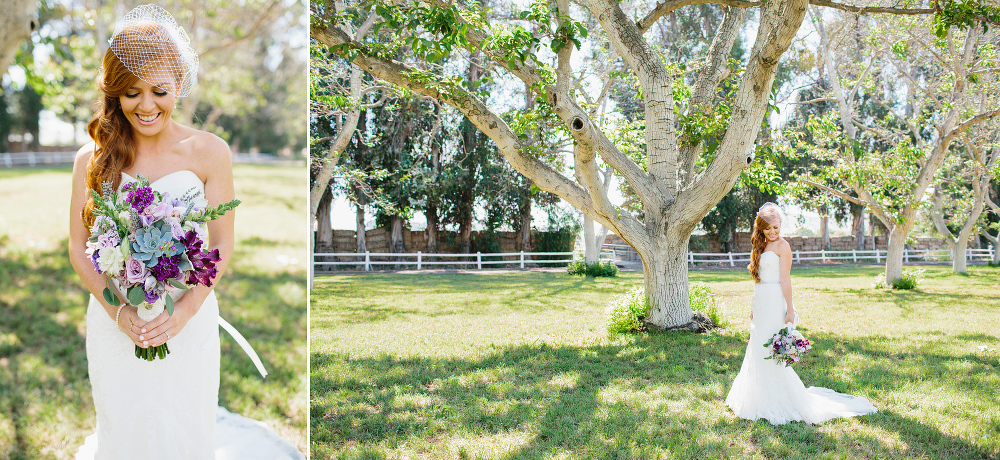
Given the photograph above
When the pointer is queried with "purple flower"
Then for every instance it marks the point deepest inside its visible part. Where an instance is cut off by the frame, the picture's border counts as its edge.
(203, 262)
(167, 268)
(151, 297)
(140, 198)
(175, 227)
(135, 270)
(108, 239)
(93, 258)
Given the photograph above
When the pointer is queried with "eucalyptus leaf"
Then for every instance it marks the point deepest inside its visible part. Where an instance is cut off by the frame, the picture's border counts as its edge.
(110, 298)
(170, 305)
(177, 284)
(136, 295)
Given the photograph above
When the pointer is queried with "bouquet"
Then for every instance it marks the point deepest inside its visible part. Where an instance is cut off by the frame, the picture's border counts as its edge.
(787, 346)
(146, 242)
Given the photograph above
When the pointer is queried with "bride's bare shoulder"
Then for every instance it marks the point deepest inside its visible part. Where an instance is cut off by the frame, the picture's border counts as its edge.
(783, 248)
(207, 150)
(82, 159)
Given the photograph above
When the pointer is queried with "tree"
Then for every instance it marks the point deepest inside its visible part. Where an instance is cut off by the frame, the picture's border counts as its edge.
(679, 181)
(961, 194)
(17, 22)
(888, 162)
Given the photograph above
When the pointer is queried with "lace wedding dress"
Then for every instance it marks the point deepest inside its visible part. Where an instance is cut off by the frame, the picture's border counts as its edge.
(168, 408)
(765, 389)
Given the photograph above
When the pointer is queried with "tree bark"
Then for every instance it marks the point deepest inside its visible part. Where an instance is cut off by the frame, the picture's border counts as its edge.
(396, 243)
(666, 271)
(18, 21)
(360, 228)
(858, 227)
(432, 229)
(524, 215)
(324, 231)
(824, 226)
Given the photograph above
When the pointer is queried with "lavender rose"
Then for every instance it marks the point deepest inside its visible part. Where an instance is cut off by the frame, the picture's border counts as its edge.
(135, 270)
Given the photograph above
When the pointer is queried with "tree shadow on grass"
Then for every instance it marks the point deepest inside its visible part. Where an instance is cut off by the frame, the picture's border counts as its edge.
(43, 365)
(378, 300)
(46, 407)
(651, 396)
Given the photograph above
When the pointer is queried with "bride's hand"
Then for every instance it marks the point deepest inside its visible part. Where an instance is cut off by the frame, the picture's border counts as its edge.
(166, 326)
(790, 317)
(130, 323)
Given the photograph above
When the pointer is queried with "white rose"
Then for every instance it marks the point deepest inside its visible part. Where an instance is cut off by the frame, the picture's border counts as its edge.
(149, 311)
(111, 261)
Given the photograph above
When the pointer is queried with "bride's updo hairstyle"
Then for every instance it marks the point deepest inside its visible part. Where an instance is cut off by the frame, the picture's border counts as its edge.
(147, 44)
(768, 214)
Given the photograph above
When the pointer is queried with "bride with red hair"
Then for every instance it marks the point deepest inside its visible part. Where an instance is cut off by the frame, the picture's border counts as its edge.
(167, 408)
(767, 389)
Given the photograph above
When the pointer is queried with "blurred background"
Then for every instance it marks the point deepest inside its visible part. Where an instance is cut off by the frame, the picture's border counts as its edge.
(252, 93)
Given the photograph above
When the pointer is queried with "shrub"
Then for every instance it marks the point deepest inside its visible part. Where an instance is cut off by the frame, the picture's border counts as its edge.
(908, 280)
(599, 268)
(625, 311)
(703, 300)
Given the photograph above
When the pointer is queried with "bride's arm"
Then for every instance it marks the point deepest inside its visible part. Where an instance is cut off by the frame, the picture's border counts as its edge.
(78, 258)
(785, 266)
(218, 167)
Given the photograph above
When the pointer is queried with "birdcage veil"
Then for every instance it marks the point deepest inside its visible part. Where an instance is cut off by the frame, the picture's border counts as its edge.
(155, 49)
(771, 213)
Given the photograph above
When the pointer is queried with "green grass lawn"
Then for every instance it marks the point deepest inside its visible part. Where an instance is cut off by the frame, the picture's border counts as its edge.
(46, 408)
(519, 366)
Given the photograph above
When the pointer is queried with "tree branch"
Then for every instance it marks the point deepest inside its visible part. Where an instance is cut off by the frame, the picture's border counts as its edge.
(666, 7)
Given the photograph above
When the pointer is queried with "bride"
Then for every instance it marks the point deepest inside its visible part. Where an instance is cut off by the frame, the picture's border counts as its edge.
(766, 389)
(166, 408)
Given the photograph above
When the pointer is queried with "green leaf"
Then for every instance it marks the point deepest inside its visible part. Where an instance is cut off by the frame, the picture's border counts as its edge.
(177, 284)
(136, 295)
(170, 304)
(111, 298)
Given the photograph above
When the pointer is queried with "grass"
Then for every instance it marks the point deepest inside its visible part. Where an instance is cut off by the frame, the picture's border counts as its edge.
(519, 366)
(46, 408)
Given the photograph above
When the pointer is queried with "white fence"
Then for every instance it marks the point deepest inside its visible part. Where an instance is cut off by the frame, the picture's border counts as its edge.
(368, 260)
(622, 256)
(32, 159)
(853, 256)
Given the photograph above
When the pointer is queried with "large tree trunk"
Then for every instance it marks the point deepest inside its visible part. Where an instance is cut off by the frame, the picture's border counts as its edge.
(824, 226)
(858, 227)
(396, 243)
(666, 270)
(894, 257)
(324, 232)
(524, 232)
(360, 228)
(432, 229)
(591, 252)
(959, 264)
(18, 20)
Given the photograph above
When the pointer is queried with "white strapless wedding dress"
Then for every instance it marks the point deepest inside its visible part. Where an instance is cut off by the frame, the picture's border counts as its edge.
(765, 389)
(167, 409)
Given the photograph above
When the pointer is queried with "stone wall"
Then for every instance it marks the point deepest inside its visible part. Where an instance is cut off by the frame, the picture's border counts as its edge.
(377, 240)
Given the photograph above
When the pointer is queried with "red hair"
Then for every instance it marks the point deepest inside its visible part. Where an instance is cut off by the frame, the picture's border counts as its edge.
(759, 242)
(114, 142)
